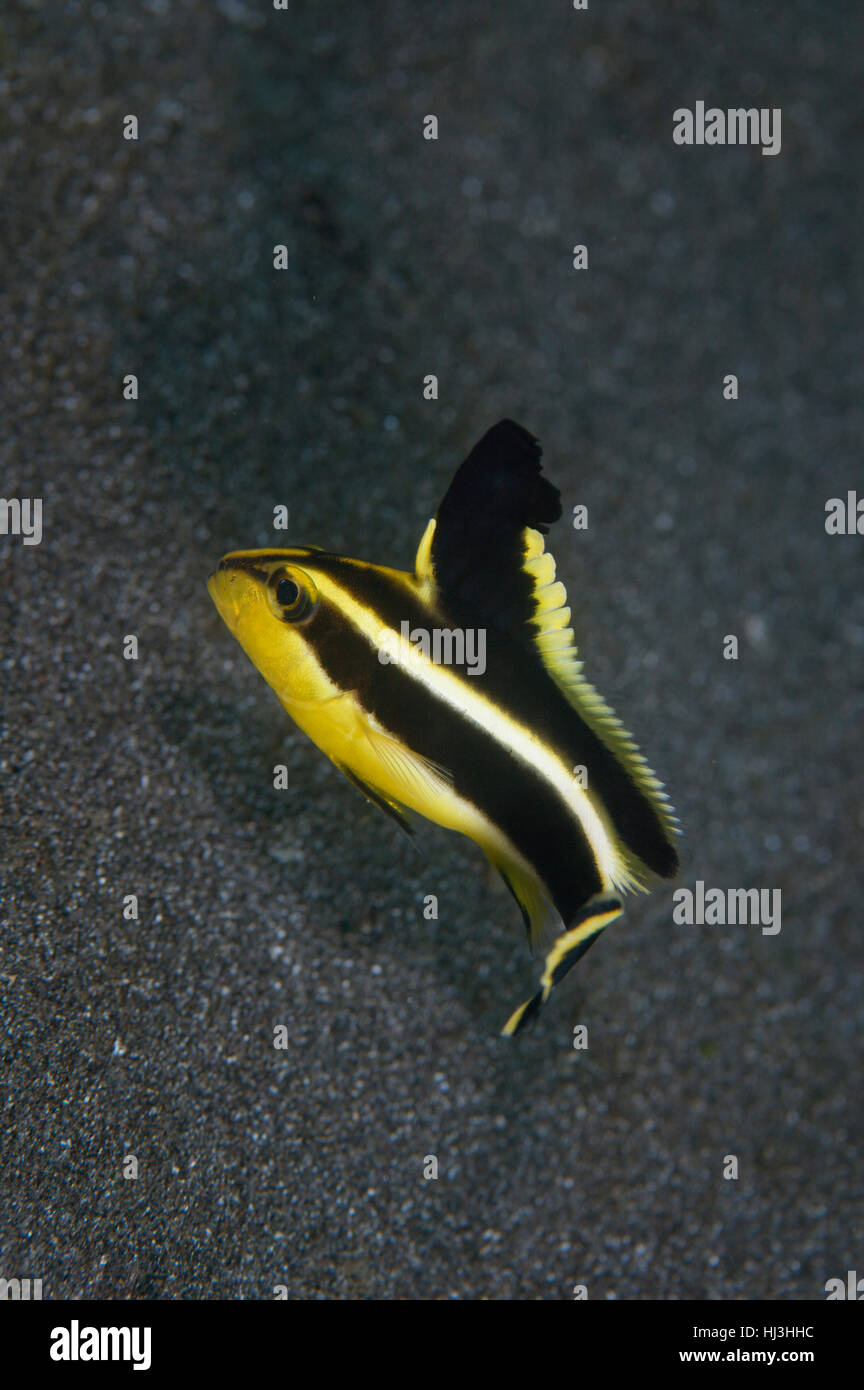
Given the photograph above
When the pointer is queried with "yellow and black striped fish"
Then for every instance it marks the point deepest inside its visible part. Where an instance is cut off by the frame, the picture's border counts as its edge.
(513, 748)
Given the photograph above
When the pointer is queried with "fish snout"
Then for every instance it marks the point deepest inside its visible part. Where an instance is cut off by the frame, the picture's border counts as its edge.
(226, 593)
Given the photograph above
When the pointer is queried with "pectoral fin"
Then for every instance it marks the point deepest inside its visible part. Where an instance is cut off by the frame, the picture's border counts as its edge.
(412, 782)
(390, 808)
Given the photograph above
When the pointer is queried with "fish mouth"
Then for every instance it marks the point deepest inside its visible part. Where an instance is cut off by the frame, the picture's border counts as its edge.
(225, 595)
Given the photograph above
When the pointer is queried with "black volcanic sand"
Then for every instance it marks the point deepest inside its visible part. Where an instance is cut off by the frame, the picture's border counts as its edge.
(258, 908)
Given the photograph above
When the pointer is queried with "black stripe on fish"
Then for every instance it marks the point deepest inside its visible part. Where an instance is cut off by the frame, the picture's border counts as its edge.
(512, 795)
(518, 682)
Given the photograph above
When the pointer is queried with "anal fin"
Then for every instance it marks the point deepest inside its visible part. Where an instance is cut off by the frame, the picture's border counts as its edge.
(542, 920)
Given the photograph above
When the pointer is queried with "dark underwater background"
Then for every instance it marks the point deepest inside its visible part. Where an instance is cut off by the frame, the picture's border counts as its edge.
(304, 1166)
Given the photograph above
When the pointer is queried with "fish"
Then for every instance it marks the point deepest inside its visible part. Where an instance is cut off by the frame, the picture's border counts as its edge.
(517, 751)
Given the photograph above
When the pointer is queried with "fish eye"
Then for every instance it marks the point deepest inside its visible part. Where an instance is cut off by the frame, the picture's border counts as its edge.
(292, 595)
(287, 593)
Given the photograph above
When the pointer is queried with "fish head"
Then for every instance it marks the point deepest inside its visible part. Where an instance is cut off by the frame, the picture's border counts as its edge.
(268, 600)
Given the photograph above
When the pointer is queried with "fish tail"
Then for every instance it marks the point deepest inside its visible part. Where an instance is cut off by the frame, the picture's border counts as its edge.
(569, 947)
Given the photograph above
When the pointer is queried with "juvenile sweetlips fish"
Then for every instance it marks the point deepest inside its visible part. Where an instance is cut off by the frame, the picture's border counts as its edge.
(511, 747)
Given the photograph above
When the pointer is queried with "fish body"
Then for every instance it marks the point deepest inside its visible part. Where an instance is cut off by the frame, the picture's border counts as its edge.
(517, 751)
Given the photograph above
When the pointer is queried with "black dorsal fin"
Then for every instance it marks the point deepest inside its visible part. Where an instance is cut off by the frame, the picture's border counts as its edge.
(484, 561)
(478, 544)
